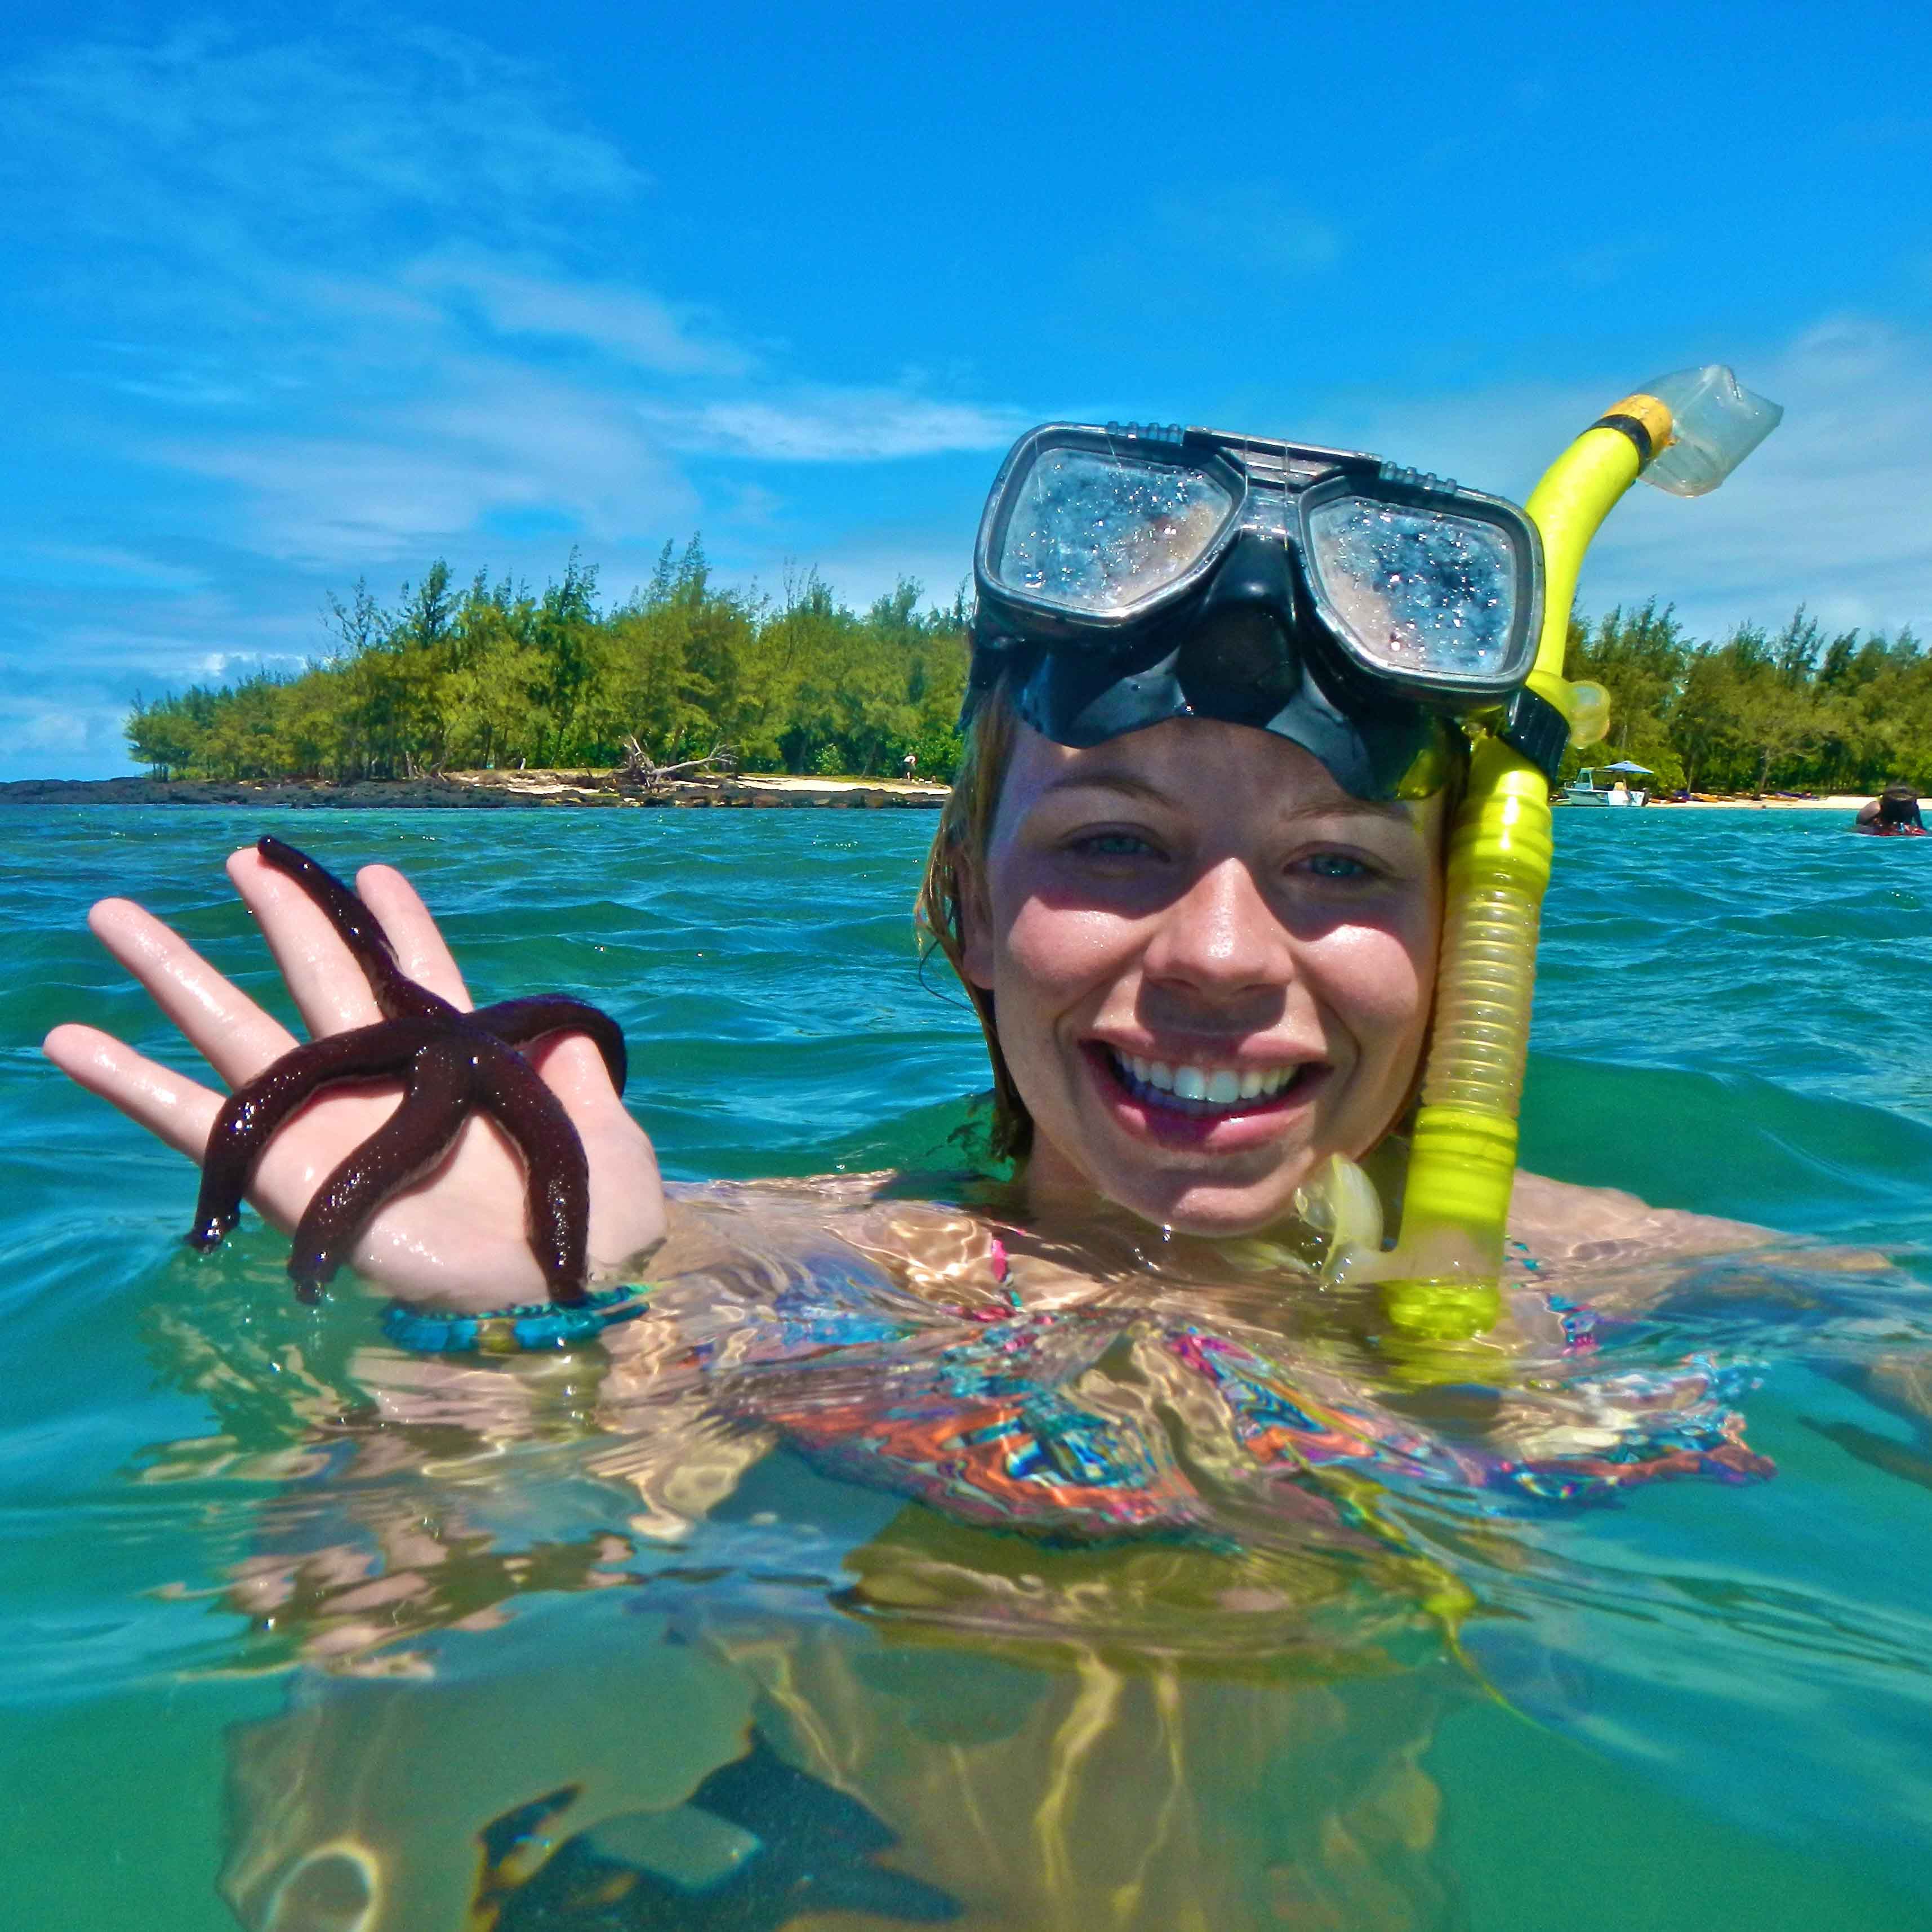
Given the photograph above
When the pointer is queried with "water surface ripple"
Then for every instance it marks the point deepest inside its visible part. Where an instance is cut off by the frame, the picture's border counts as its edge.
(1728, 1687)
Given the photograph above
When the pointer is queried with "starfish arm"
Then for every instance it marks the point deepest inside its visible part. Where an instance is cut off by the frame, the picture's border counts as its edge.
(513, 1093)
(397, 996)
(520, 1022)
(407, 1144)
(256, 1111)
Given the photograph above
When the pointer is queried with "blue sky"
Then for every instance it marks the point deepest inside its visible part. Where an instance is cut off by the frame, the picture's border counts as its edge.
(300, 294)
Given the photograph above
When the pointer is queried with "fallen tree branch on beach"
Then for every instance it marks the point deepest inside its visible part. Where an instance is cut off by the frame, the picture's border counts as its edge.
(640, 771)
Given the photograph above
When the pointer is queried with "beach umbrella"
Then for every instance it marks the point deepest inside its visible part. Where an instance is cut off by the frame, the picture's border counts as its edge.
(1624, 765)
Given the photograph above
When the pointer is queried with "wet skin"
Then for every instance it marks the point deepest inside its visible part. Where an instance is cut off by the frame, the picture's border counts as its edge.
(1203, 894)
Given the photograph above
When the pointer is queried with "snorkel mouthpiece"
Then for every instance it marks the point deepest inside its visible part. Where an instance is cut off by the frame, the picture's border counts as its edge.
(1440, 1283)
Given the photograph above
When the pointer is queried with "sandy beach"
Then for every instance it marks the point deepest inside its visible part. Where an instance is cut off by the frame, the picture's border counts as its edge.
(755, 790)
(1845, 802)
(473, 790)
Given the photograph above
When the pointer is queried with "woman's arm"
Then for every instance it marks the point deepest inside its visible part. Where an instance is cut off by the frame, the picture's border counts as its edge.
(458, 1236)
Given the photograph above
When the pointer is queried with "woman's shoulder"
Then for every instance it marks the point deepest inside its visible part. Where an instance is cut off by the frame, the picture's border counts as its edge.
(1559, 1222)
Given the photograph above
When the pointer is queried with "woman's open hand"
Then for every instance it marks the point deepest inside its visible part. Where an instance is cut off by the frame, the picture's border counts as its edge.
(457, 1237)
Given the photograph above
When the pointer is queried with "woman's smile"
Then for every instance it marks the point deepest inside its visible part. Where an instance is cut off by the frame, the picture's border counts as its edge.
(1202, 1101)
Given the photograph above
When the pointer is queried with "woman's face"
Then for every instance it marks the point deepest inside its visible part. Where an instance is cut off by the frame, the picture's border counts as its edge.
(1211, 967)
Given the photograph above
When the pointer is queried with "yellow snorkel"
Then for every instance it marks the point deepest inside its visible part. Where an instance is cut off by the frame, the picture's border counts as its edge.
(1685, 433)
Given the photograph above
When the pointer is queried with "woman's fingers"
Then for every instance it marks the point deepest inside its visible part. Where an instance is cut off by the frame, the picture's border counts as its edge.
(577, 1075)
(420, 950)
(627, 1203)
(176, 1109)
(329, 988)
(237, 1038)
(328, 984)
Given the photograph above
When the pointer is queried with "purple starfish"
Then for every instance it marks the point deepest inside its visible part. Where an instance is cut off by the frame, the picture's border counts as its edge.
(451, 1064)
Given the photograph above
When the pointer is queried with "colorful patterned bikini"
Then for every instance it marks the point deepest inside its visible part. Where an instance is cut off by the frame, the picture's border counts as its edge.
(997, 1416)
(994, 1412)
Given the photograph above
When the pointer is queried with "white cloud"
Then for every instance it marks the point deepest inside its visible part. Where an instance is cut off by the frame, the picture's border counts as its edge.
(207, 140)
(1832, 511)
(500, 441)
(37, 732)
(102, 566)
(632, 326)
(219, 664)
(828, 425)
(350, 304)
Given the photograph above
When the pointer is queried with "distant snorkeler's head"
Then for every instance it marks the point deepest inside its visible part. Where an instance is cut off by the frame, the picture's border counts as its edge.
(1898, 805)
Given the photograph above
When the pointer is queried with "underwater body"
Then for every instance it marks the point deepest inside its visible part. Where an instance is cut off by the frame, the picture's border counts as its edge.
(588, 1634)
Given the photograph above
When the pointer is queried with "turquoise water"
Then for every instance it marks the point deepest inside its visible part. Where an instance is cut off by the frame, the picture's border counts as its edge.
(1708, 1706)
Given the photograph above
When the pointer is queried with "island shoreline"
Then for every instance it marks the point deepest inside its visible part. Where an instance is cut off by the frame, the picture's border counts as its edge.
(470, 791)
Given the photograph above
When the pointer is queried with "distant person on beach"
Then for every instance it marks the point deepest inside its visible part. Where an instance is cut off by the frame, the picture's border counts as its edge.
(1895, 809)
(911, 763)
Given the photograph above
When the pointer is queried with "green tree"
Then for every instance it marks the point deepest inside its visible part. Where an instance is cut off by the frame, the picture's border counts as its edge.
(494, 674)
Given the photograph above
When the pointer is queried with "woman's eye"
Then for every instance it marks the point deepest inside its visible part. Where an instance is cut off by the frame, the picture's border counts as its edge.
(1112, 845)
(1336, 865)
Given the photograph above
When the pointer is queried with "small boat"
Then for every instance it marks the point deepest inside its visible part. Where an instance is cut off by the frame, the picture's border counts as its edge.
(1584, 789)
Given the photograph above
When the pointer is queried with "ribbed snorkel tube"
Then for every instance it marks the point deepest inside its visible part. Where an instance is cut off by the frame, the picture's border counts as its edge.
(1463, 1159)
(1440, 1282)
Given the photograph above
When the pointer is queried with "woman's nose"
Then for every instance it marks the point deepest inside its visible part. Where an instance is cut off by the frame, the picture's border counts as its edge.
(1221, 936)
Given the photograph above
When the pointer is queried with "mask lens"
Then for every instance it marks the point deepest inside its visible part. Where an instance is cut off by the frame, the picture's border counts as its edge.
(1421, 593)
(1094, 532)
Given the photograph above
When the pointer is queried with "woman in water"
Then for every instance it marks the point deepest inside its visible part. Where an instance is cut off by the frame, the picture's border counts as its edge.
(1192, 873)
(1193, 881)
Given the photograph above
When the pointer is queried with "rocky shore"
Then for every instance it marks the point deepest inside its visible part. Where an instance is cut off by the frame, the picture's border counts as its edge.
(487, 791)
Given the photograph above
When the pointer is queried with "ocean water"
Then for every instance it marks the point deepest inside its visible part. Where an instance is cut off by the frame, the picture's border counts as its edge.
(240, 1612)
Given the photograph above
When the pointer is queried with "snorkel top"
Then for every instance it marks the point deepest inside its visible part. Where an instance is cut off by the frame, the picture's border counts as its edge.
(1382, 620)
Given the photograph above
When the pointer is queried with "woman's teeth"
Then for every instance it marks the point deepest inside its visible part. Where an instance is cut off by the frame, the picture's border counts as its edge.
(1199, 1090)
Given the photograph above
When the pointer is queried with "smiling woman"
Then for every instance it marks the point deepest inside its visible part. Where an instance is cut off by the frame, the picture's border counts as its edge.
(1166, 1461)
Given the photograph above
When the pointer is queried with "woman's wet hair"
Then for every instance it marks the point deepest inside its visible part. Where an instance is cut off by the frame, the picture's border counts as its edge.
(1898, 805)
(965, 831)
(965, 834)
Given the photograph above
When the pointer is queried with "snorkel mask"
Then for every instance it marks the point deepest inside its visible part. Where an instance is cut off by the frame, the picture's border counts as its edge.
(1128, 575)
